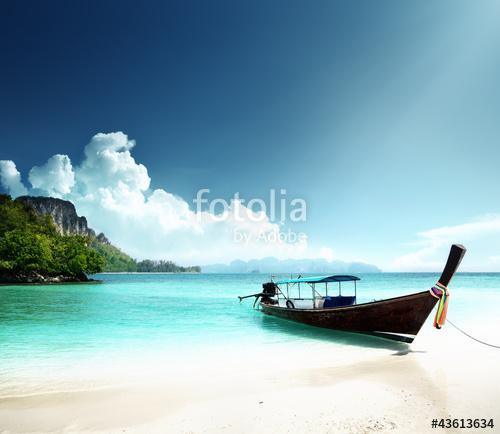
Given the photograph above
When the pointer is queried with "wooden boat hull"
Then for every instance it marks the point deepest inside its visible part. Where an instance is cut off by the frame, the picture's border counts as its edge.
(398, 318)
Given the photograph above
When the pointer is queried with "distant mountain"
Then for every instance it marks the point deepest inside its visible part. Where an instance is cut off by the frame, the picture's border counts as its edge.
(274, 265)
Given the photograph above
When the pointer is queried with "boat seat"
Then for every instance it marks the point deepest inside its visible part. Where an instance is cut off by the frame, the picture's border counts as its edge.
(338, 301)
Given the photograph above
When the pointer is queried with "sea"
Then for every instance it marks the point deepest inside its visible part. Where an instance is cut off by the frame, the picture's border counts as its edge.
(80, 336)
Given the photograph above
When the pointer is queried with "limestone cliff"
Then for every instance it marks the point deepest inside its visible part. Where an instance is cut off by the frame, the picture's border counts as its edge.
(63, 214)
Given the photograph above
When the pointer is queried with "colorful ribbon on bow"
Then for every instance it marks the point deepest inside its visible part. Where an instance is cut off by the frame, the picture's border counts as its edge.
(442, 294)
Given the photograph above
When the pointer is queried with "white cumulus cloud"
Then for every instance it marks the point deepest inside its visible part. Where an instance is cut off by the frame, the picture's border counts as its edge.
(481, 237)
(10, 178)
(113, 191)
(108, 163)
(55, 177)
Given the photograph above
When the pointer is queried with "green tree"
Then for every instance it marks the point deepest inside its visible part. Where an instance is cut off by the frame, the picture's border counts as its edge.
(26, 251)
(74, 257)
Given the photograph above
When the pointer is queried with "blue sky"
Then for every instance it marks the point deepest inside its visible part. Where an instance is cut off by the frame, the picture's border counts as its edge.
(383, 115)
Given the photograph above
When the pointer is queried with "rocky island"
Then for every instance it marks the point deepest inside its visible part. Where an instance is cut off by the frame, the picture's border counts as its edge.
(44, 240)
(36, 247)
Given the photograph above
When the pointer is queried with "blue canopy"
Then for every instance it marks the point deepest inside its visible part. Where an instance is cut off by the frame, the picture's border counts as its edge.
(320, 279)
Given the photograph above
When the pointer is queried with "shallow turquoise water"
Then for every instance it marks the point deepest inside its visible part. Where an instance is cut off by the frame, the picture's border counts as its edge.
(50, 329)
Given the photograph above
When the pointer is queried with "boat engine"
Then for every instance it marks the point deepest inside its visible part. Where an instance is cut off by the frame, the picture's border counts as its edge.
(268, 291)
(267, 294)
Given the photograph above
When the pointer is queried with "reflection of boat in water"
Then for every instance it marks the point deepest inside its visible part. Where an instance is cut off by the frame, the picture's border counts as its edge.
(398, 318)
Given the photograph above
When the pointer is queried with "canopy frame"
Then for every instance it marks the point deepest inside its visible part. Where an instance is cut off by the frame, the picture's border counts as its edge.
(320, 279)
(312, 282)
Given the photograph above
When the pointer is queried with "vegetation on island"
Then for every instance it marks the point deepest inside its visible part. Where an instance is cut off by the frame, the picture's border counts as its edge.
(117, 261)
(114, 259)
(31, 248)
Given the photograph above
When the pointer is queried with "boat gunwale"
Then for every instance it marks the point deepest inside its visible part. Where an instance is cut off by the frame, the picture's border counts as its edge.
(342, 308)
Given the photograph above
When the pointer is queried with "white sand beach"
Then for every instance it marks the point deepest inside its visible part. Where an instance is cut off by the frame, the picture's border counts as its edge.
(443, 375)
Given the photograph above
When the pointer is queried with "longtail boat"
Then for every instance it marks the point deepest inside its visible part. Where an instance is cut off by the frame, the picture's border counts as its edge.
(398, 318)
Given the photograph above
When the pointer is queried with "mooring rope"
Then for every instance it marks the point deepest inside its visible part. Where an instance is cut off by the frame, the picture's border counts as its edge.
(472, 337)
